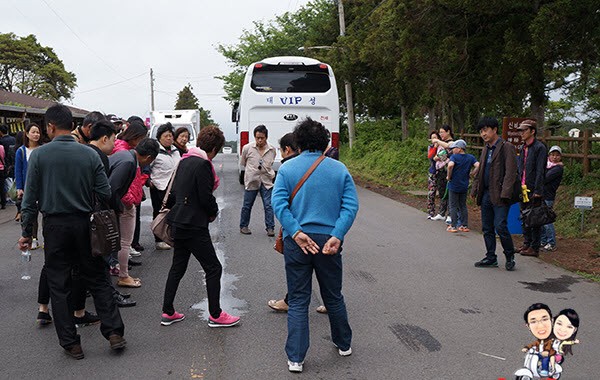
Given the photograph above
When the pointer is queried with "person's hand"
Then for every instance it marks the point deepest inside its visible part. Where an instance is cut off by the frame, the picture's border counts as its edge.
(25, 243)
(523, 349)
(447, 178)
(306, 243)
(535, 195)
(332, 246)
(576, 341)
(20, 193)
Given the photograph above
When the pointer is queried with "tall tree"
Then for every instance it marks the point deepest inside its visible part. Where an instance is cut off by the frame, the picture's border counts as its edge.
(186, 100)
(206, 118)
(29, 68)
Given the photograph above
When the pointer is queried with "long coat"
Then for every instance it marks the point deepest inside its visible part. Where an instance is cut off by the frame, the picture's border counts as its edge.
(503, 174)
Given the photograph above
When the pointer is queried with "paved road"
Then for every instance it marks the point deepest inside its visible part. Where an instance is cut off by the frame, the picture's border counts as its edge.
(418, 307)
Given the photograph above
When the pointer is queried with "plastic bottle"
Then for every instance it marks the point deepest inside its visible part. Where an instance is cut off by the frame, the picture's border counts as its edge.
(25, 265)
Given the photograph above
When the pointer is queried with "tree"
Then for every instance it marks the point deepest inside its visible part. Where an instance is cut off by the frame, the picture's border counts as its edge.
(186, 100)
(206, 118)
(32, 69)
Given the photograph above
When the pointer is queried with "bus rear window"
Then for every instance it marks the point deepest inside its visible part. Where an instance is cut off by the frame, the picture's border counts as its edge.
(290, 79)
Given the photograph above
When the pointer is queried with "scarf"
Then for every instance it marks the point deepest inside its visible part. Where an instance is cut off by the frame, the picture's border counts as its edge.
(550, 164)
(197, 152)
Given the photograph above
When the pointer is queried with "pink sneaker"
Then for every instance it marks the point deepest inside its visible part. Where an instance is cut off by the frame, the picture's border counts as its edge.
(167, 319)
(224, 320)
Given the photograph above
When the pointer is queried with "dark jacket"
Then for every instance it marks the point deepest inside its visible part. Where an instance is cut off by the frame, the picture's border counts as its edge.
(552, 181)
(535, 167)
(191, 200)
(503, 174)
(122, 172)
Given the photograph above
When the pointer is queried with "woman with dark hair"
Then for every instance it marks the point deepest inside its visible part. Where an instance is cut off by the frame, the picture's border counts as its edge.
(180, 140)
(431, 179)
(314, 226)
(161, 171)
(442, 159)
(31, 141)
(12, 152)
(193, 207)
(566, 324)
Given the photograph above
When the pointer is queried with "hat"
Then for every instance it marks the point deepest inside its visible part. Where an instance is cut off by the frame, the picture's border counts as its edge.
(526, 124)
(114, 119)
(458, 144)
(555, 148)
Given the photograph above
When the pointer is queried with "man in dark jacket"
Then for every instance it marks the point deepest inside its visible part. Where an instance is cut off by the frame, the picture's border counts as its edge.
(532, 171)
(494, 188)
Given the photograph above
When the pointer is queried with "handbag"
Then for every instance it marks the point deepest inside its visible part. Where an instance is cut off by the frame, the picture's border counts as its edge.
(104, 230)
(537, 216)
(278, 246)
(12, 189)
(159, 225)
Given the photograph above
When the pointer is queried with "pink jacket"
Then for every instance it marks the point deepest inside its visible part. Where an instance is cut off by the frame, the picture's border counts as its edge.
(136, 191)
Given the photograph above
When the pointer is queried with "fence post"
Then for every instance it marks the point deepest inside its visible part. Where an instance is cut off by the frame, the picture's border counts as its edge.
(586, 150)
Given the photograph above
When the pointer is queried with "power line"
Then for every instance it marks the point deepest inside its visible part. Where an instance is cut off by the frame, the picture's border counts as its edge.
(112, 84)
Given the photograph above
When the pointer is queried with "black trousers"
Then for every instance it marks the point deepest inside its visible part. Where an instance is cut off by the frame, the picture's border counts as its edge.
(199, 244)
(156, 197)
(67, 246)
(78, 295)
(2, 188)
(138, 221)
(532, 235)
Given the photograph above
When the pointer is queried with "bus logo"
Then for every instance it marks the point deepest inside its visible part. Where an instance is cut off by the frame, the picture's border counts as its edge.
(290, 117)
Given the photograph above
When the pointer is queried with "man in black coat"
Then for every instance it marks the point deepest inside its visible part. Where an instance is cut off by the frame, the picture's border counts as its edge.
(532, 171)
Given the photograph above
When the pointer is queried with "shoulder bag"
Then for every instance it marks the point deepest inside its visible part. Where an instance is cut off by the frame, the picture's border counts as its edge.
(104, 230)
(279, 240)
(159, 225)
(538, 215)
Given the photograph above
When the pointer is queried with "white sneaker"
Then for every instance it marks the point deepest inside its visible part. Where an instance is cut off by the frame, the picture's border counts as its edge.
(437, 217)
(348, 352)
(161, 245)
(448, 220)
(295, 367)
(134, 253)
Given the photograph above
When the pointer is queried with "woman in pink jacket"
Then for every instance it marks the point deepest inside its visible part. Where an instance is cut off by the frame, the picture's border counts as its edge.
(128, 140)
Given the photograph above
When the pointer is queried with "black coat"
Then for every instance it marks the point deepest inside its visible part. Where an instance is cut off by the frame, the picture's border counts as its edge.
(191, 200)
(552, 182)
(535, 167)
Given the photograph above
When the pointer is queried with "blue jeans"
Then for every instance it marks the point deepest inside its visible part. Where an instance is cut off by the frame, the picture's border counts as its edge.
(249, 198)
(299, 268)
(548, 232)
(493, 220)
(458, 206)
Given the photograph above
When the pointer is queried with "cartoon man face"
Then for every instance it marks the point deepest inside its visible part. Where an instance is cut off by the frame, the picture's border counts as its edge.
(539, 323)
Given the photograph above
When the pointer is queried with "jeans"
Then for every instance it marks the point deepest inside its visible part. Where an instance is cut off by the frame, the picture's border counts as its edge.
(249, 198)
(67, 245)
(199, 244)
(458, 206)
(532, 235)
(548, 232)
(493, 220)
(299, 268)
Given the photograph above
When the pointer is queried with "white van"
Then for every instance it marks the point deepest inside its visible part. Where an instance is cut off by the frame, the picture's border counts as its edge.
(178, 118)
(280, 91)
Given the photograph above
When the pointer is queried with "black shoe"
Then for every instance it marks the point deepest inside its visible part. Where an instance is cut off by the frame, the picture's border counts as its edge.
(133, 263)
(124, 302)
(87, 319)
(117, 342)
(487, 263)
(74, 351)
(137, 247)
(44, 318)
(510, 264)
(124, 295)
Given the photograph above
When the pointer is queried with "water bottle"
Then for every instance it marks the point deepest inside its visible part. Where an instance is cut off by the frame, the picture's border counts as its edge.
(26, 265)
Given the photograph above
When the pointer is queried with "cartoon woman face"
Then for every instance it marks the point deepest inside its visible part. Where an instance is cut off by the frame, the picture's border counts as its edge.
(563, 328)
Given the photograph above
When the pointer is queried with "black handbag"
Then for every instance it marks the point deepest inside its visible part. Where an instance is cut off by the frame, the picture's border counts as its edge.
(104, 230)
(537, 216)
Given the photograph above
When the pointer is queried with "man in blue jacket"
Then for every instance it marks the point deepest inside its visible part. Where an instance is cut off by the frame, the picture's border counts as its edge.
(314, 226)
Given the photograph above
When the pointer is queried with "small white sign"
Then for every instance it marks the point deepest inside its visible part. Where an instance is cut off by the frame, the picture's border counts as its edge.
(584, 202)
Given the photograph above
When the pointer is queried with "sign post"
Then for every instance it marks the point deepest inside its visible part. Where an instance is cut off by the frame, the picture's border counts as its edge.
(584, 203)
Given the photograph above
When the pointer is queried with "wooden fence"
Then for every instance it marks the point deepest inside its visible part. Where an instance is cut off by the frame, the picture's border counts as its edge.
(576, 149)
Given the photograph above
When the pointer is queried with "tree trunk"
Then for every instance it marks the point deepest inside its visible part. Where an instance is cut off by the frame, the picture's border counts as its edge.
(404, 120)
(432, 125)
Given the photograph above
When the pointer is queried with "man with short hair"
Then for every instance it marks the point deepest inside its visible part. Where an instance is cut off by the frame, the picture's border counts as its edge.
(82, 133)
(62, 178)
(494, 188)
(532, 172)
(258, 158)
(538, 319)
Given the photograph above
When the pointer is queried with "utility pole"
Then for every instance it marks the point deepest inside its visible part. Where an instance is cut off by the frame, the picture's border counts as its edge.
(151, 90)
(347, 84)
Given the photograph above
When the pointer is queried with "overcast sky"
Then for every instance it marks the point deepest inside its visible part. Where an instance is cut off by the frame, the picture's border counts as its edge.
(110, 41)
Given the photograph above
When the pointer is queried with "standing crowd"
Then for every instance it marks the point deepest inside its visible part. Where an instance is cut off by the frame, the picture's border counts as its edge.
(106, 162)
(501, 178)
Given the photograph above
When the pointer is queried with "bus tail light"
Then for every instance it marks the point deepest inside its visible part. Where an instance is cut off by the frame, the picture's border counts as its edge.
(335, 140)
(244, 139)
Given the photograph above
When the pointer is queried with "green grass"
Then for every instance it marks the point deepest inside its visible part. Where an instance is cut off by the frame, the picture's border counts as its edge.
(592, 277)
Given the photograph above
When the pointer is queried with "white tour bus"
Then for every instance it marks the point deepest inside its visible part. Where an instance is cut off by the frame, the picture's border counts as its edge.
(280, 91)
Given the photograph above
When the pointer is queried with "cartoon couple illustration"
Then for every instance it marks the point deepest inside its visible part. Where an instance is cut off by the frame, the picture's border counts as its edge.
(553, 342)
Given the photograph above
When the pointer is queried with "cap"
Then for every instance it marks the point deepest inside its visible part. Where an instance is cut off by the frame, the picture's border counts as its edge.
(458, 144)
(555, 148)
(526, 124)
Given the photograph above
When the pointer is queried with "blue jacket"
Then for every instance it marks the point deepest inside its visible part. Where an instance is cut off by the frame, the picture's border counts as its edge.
(21, 167)
(327, 203)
